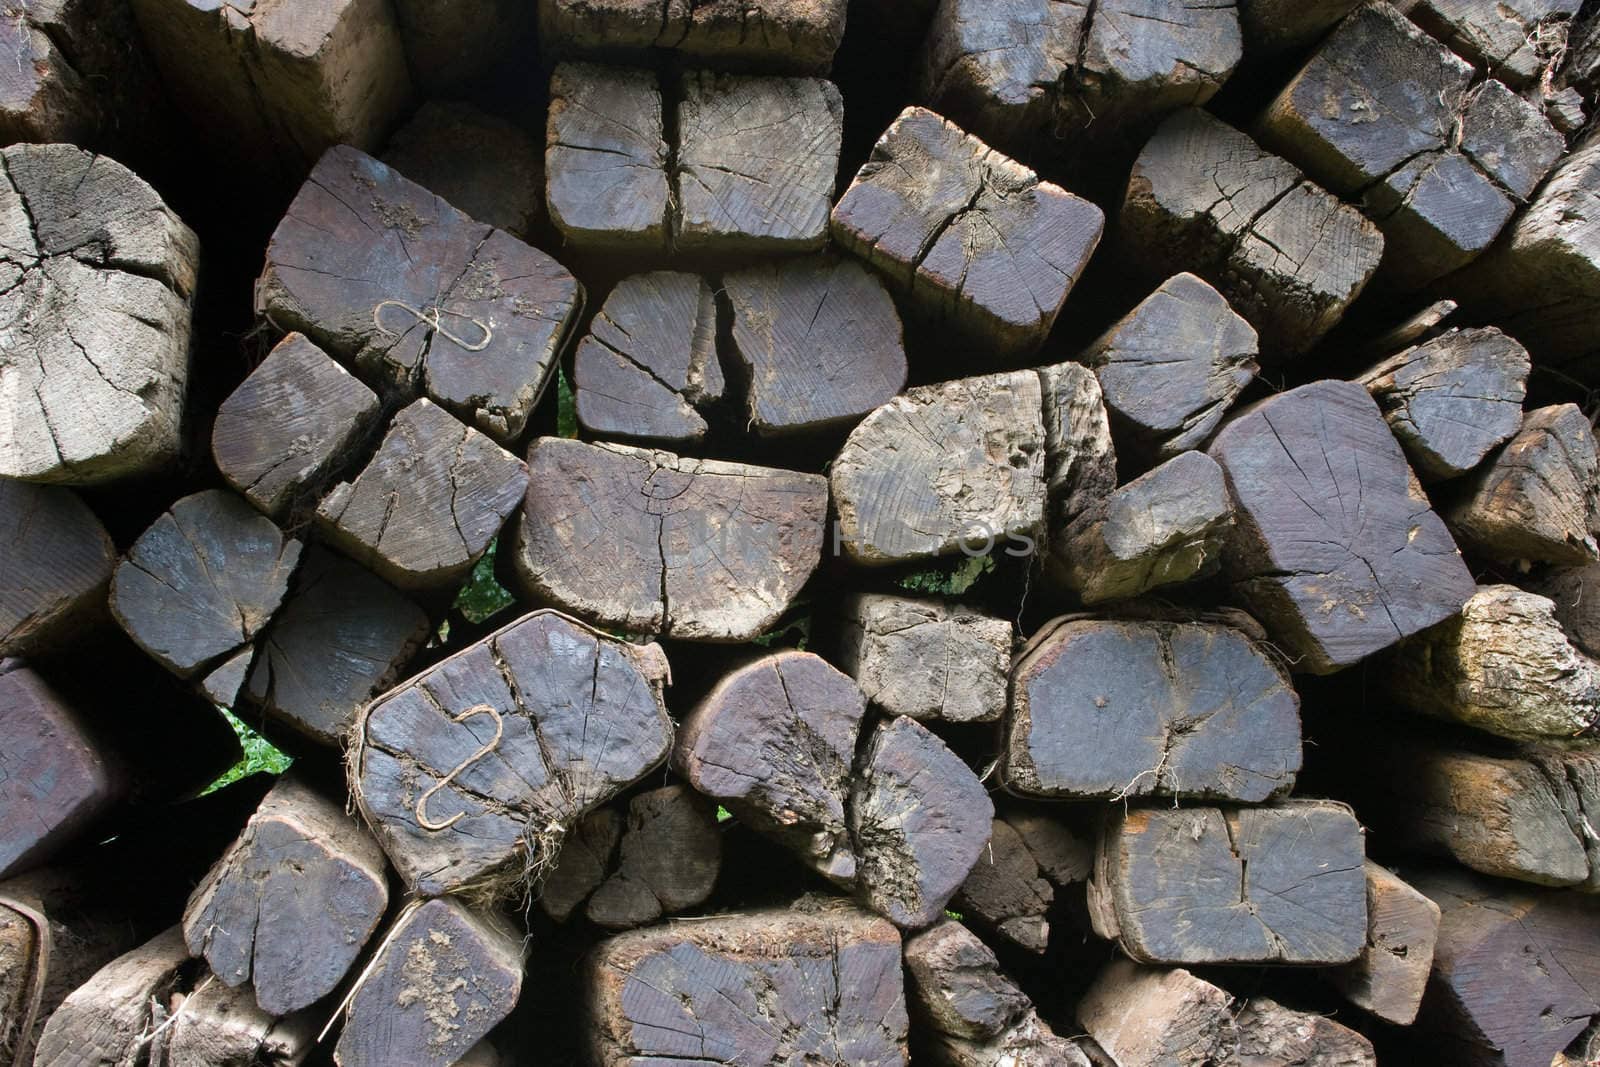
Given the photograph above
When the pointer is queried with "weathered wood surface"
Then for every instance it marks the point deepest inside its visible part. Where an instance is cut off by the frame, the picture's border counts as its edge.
(976, 1014)
(290, 426)
(755, 163)
(820, 341)
(281, 85)
(606, 159)
(1288, 257)
(1515, 976)
(1165, 527)
(649, 365)
(451, 43)
(1272, 27)
(1331, 550)
(1119, 709)
(202, 582)
(343, 636)
(106, 1019)
(428, 504)
(442, 978)
(819, 981)
(55, 570)
(1538, 499)
(919, 818)
(292, 902)
(588, 856)
(667, 861)
(1504, 666)
(929, 659)
(1575, 592)
(1171, 367)
(1539, 283)
(99, 279)
(65, 80)
(217, 1025)
(1452, 399)
(1080, 459)
(1146, 1016)
(977, 239)
(417, 297)
(943, 467)
(1060, 840)
(1390, 975)
(777, 35)
(1281, 884)
(1023, 72)
(1520, 817)
(651, 542)
(1440, 196)
(1005, 890)
(458, 800)
(775, 742)
(1515, 41)
(489, 168)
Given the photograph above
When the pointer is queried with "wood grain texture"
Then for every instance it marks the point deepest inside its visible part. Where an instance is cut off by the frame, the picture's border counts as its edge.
(280, 436)
(1514, 975)
(784, 36)
(667, 861)
(1515, 41)
(1391, 974)
(775, 742)
(1452, 399)
(359, 234)
(56, 568)
(755, 163)
(1288, 257)
(976, 239)
(1080, 458)
(975, 1013)
(1171, 367)
(1538, 498)
(649, 363)
(1575, 592)
(588, 856)
(552, 681)
(1331, 551)
(606, 159)
(1005, 891)
(1117, 709)
(104, 1020)
(929, 659)
(1031, 70)
(215, 1024)
(1268, 1032)
(54, 779)
(651, 542)
(488, 167)
(1144, 1016)
(203, 581)
(1165, 527)
(1504, 666)
(428, 504)
(820, 980)
(444, 976)
(942, 464)
(1281, 884)
(289, 906)
(919, 817)
(343, 636)
(281, 84)
(94, 349)
(820, 341)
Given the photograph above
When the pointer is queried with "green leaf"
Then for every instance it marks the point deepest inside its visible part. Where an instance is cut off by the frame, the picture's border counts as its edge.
(949, 581)
(723, 814)
(482, 597)
(566, 408)
(956, 915)
(260, 755)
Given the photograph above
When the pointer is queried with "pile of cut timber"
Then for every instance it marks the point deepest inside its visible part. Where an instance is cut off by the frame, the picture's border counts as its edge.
(994, 533)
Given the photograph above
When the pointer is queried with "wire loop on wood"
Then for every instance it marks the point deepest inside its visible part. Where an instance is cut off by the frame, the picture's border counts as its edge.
(494, 743)
(431, 319)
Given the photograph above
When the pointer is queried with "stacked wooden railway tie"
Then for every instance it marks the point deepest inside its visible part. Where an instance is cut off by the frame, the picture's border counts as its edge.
(952, 797)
